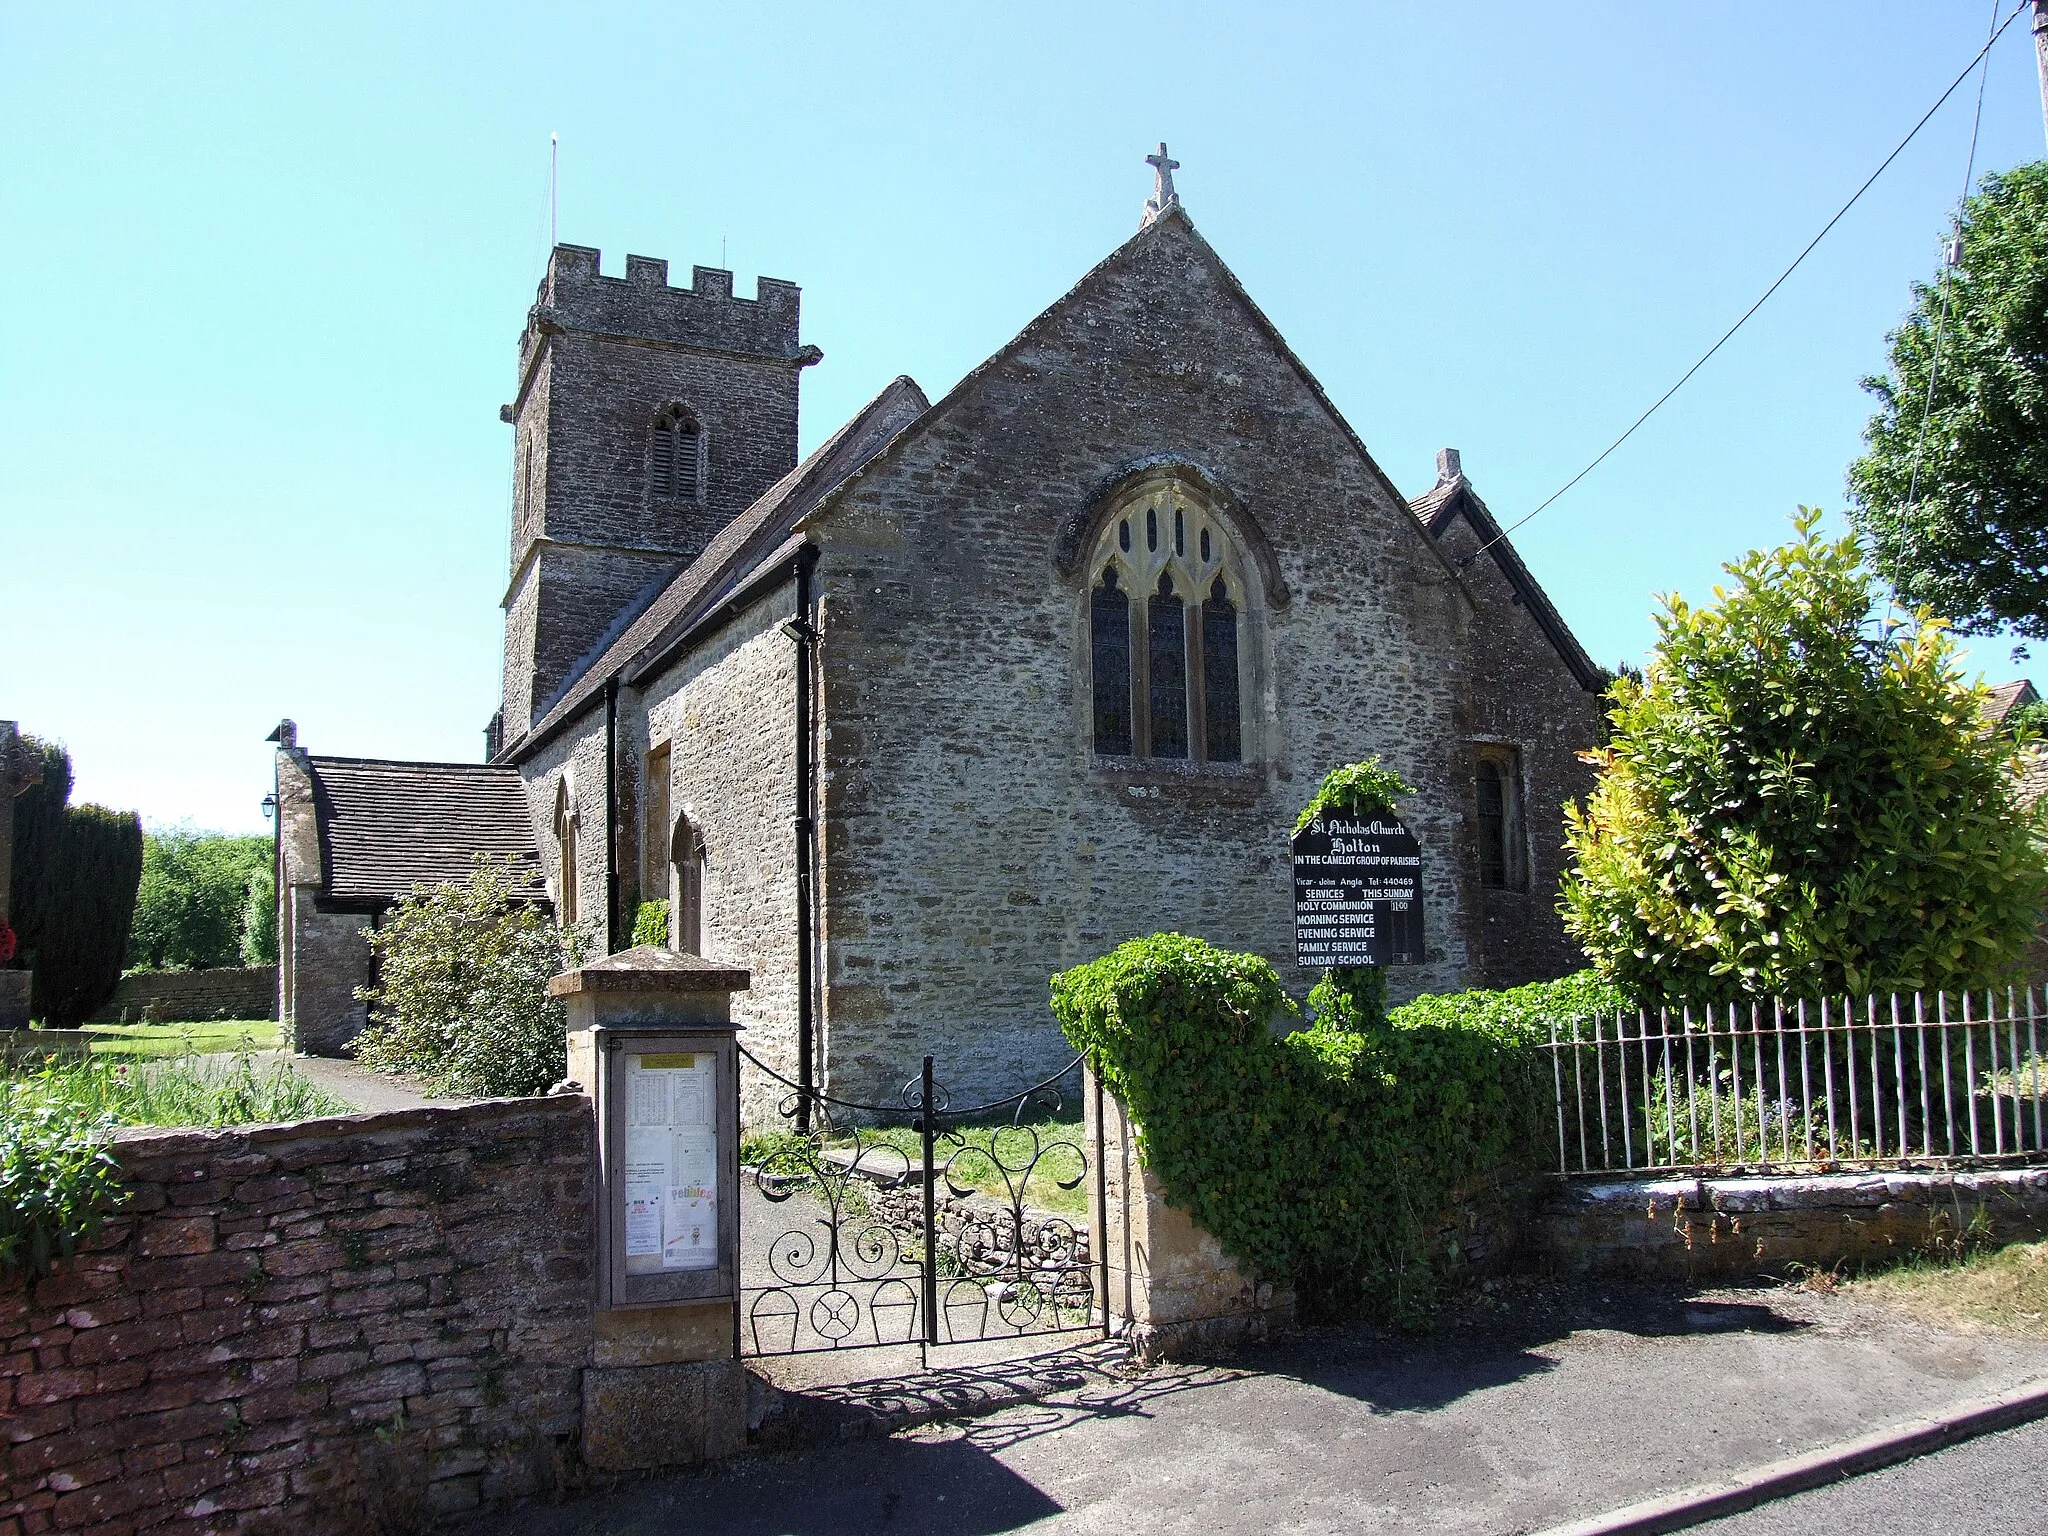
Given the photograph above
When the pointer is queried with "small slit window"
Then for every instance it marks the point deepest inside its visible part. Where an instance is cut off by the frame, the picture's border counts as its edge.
(1498, 817)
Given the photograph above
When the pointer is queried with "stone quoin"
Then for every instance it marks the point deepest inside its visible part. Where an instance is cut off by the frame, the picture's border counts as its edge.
(979, 689)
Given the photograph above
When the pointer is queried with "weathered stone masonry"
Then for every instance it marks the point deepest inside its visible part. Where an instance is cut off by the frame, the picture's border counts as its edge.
(337, 1326)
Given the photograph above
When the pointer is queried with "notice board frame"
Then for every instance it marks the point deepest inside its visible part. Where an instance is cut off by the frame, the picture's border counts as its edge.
(717, 1284)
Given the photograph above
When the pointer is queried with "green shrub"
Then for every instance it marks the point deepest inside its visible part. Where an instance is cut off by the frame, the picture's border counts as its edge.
(193, 907)
(1331, 1157)
(650, 924)
(57, 1177)
(461, 998)
(1796, 801)
(73, 898)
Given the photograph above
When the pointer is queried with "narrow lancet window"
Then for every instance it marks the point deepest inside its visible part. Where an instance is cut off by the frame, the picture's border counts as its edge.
(1110, 625)
(1498, 816)
(1224, 743)
(1167, 654)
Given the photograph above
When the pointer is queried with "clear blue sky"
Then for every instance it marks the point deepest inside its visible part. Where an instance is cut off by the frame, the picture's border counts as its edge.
(266, 267)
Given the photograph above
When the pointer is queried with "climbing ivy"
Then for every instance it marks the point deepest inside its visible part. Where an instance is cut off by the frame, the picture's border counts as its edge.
(1332, 1157)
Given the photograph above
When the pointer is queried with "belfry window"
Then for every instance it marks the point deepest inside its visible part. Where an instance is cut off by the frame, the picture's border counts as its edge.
(676, 458)
(1499, 818)
(1165, 646)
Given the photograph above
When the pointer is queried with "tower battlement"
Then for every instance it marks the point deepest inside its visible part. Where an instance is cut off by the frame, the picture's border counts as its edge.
(577, 296)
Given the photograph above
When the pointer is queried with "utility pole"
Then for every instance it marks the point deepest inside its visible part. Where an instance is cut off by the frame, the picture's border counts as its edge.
(2041, 55)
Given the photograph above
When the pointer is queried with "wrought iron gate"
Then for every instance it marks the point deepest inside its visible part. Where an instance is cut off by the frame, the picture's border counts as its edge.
(919, 1223)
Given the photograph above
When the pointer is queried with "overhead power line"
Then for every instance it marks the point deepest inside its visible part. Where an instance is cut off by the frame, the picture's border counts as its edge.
(1728, 334)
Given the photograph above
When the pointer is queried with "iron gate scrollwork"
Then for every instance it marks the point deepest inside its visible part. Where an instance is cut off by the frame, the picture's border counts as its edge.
(918, 1223)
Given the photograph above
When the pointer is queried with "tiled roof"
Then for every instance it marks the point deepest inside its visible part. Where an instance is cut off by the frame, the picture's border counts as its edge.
(386, 827)
(739, 549)
(2007, 697)
(1437, 508)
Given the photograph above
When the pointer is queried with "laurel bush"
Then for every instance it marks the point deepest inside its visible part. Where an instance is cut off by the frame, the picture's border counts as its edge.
(1800, 800)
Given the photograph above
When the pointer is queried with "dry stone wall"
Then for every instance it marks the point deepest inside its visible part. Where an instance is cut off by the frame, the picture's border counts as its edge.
(173, 997)
(337, 1326)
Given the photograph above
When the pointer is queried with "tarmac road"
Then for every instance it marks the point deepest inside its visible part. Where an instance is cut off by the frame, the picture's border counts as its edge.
(1993, 1486)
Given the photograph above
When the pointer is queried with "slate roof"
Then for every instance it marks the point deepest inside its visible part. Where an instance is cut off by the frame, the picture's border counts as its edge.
(751, 542)
(387, 826)
(1439, 507)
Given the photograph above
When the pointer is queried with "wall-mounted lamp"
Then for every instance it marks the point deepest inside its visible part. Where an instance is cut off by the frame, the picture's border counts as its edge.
(269, 806)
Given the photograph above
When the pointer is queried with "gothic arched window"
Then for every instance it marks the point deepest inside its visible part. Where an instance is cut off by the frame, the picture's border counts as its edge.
(1166, 679)
(686, 855)
(565, 846)
(676, 460)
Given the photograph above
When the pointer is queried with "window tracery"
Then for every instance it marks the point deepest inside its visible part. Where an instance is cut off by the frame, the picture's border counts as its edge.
(1165, 615)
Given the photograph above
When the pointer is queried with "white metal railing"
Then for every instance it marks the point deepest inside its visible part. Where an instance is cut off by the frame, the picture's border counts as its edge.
(1887, 1081)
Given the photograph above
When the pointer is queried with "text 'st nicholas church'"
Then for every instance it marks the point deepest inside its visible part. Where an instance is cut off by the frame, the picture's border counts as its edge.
(976, 691)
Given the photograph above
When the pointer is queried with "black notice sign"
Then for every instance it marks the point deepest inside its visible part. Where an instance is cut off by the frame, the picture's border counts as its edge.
(1357, 893)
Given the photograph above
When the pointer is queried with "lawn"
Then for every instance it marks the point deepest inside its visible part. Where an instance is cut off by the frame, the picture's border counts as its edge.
(1041, 1155)
(2004, 1291)
(211, 1038)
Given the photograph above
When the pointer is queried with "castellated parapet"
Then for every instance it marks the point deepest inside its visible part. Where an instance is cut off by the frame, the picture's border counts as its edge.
(577, 296)
(648, 417)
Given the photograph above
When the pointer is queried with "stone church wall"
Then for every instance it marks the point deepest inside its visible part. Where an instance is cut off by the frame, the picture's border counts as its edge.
(728, 713)
(578, 753)
(1522, 693)
(974, 844)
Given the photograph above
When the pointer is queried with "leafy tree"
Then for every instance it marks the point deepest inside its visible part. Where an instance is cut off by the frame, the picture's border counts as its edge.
(461, 997)
(259, 916)
(73, 897)
(193, 907)
(1954, 498)
(1795, 801)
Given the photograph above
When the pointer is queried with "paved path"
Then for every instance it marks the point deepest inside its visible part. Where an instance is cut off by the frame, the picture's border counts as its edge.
(1561, 1406)
(371, 1092)
(1988, 1487)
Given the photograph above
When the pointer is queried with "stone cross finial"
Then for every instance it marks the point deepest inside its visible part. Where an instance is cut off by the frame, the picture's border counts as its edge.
(1163, 196)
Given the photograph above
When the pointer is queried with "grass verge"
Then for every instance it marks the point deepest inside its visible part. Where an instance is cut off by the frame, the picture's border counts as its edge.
(2002, 1290)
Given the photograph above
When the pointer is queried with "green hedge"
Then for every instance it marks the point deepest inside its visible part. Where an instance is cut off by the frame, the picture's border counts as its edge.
(1329, 1157)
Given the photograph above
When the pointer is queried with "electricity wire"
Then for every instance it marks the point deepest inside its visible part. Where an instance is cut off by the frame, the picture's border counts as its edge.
(1797, 261)
(1951, 255)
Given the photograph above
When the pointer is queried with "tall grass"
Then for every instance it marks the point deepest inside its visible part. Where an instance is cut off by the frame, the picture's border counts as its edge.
(57, 1177)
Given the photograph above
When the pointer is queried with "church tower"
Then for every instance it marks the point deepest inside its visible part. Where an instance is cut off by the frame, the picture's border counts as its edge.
(648, 417)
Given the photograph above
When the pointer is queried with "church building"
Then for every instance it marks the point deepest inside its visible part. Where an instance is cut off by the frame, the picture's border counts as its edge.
(977, 690)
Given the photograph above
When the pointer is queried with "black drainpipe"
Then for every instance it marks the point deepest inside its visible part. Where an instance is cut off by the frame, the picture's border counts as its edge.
(805, 635)
(611, 814)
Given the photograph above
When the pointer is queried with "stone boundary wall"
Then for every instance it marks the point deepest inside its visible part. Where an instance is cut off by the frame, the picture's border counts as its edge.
(341, 1325)
(1696, 1229)
(193, 997)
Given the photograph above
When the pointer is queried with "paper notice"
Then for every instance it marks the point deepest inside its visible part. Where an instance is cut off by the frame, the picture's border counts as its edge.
(671, 1163)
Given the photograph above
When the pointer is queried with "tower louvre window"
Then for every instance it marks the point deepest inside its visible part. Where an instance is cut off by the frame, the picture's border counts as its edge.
(676, 457)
